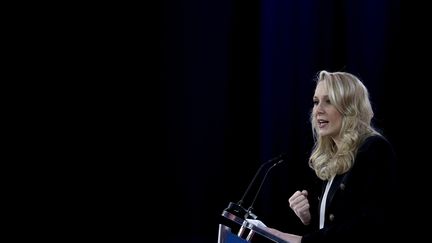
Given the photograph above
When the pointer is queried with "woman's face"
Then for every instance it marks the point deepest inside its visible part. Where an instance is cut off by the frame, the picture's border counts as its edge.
(328, 118)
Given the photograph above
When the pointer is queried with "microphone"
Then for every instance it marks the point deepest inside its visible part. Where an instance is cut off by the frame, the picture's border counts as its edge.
(249, 211)
(237, 208)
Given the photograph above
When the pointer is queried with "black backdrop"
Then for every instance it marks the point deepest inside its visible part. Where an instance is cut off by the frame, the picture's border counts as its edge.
(237, 86)
(157, 114)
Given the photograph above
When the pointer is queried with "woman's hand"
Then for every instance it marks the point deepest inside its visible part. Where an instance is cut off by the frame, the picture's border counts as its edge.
(299, 203)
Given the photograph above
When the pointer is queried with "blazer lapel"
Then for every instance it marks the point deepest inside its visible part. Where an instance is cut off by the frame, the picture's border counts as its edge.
(334, 187)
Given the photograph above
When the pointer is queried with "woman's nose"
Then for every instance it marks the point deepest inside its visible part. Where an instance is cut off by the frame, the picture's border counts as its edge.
(319, 108)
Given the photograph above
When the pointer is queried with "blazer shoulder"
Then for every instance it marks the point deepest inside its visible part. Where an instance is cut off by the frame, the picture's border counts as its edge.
(376, 143)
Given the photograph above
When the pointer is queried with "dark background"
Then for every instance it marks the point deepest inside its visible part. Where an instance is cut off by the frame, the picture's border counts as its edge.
(233, 89)
(143, 121)
(237, 81)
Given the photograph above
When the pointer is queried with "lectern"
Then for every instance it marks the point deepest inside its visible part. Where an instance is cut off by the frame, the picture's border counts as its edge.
(246, 230)
(235, 215)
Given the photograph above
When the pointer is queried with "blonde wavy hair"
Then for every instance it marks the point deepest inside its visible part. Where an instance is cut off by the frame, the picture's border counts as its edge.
(351, 98)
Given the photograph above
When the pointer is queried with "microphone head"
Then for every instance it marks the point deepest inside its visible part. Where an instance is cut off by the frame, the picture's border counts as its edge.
(279, 159)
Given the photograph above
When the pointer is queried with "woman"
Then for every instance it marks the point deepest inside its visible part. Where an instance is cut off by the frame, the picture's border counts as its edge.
(354, 161)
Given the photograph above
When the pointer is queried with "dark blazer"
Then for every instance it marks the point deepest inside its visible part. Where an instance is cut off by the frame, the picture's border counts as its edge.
(359, 205)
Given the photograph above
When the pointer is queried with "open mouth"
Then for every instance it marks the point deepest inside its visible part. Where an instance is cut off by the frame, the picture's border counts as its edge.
(322, 123)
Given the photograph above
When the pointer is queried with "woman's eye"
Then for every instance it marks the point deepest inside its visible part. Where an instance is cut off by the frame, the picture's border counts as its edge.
(315, 102)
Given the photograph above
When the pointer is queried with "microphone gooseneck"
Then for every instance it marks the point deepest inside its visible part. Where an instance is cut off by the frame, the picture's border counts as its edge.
(240, 202)
(237, 208)
(278, 159)
(249, 211)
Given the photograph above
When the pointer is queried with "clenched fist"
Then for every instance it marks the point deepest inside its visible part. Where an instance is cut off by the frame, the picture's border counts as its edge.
(299, 203)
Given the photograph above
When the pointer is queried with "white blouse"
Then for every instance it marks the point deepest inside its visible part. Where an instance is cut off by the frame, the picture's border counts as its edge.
(323, 203)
